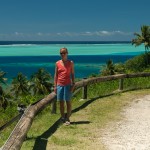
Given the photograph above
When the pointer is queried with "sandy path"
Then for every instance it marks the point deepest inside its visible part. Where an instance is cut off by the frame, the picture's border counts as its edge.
(133, 132)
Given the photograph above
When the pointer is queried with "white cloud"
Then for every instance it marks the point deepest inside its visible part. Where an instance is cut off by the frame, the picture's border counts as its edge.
(17, 33)
(39, 34)
(87, 34)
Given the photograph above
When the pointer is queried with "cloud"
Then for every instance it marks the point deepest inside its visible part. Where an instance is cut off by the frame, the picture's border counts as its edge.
(39, 34)
(18, 34)
(111, 33)
(87, 34)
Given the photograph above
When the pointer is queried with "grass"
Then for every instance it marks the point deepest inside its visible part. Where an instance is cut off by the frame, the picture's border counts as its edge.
(89, 118)
(87, 124)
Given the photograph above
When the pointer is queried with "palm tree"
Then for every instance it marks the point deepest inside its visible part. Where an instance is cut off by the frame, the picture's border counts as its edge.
(40, 82)
(20, 85)
(109, 69)
(4, 99)
(2, 79)
(144, 37)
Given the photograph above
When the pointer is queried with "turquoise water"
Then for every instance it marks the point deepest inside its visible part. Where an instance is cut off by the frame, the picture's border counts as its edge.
(88, 58)
(74, 49)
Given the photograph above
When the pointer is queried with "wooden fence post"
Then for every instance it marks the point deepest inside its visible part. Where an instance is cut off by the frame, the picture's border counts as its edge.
(84, 91)
(53, 103)
(54, 106)
(121, 84)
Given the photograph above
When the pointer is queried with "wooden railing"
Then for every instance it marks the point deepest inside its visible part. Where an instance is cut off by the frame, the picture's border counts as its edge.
(85, 82)
(19, 133)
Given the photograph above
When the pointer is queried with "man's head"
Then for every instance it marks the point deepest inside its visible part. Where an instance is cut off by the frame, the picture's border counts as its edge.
(63, 51)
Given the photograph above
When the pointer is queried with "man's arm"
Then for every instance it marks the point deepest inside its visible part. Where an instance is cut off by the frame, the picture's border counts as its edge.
(72, 73)
(55, 78)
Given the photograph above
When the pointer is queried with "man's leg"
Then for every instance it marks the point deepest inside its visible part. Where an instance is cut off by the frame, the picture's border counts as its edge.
(62, 109)
(69, 109)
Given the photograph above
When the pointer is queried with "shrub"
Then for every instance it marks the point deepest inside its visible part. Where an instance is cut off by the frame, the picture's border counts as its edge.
(138, 63)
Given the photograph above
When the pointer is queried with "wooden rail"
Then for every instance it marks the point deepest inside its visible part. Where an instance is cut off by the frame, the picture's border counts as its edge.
(18, 135)
(85, 82)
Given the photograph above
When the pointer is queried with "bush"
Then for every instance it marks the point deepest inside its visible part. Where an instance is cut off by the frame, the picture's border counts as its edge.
(138, 63)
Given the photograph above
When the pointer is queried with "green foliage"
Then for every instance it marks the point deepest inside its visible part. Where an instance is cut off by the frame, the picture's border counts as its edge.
(41, 82)
(29, 99)
(2, 77)
(102, 88)
(143, 38)
(9, 113)
(20, 85)
(120, 68)
(109, 68)
(5, 99)
(137, 83)
(138, 63)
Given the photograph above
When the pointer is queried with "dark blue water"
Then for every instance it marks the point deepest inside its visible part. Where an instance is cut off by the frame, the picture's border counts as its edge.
(84, 65)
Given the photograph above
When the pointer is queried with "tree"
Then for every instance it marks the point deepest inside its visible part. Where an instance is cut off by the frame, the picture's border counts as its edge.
(4, 99)
(20, 85)
(2, 79)
(109, 69)
(40, 82)
(143, 38)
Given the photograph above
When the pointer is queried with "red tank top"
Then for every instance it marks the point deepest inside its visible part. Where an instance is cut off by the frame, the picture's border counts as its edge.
(64, 73)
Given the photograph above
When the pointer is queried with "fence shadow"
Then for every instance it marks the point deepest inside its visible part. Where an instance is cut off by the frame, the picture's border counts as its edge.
(88, 102)
(41, 141)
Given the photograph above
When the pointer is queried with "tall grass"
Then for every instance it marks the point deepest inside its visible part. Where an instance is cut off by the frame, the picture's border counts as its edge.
(108, 87)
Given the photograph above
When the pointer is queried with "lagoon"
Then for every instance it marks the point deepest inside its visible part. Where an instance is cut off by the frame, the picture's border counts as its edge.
(89, 57)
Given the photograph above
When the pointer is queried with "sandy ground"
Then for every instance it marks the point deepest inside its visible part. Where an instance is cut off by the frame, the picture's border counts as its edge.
(133, 132)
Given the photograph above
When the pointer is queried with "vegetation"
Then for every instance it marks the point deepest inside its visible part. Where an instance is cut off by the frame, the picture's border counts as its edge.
(88, 116)
(143, 38)
(134, 65)
(139, 63)
(3, 96)
(23, 91)
(20, 85)
(109, 69)
(40, 82)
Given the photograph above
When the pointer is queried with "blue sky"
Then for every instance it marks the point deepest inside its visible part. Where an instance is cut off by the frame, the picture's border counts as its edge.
(73, 20)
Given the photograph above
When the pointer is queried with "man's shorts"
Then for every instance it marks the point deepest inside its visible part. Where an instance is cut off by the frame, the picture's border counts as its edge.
(64, 93)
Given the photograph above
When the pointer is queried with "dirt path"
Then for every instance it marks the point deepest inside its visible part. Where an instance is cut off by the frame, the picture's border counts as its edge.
(133, 132)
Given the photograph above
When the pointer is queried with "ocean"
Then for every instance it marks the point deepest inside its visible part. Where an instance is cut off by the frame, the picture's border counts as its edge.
(89, 56)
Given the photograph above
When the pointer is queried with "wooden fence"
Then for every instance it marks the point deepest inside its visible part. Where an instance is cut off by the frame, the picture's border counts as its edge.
(19, 133)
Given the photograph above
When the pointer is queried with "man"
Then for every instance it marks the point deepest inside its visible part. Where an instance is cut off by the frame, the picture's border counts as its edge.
(64, 84)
